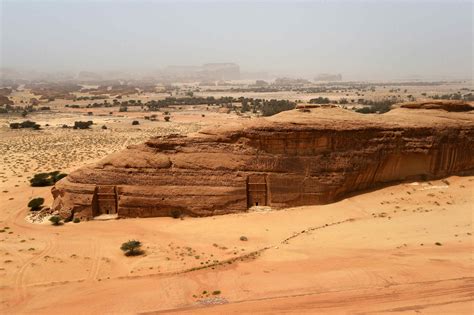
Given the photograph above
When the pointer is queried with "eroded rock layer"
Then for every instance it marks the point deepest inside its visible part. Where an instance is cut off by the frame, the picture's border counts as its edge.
(291, 159)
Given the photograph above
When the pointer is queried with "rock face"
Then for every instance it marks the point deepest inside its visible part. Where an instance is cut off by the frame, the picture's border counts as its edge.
(294, 158)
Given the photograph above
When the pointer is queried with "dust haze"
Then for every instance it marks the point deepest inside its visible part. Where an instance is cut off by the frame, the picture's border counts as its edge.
(363, 40)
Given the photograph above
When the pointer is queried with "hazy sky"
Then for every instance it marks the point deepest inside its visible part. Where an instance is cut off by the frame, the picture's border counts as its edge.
(360, 39)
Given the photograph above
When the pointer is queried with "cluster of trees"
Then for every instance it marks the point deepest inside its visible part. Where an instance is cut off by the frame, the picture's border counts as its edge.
(454, 96)
(319, 100)
(255, 89)
(194, 100)
(380, 107)
(24, 110)
(25, 124)
(46, 179)
(265, 107)
(273, 107)
(93, 97)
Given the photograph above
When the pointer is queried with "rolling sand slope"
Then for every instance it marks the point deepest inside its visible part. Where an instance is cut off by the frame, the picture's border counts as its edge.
(372, 253)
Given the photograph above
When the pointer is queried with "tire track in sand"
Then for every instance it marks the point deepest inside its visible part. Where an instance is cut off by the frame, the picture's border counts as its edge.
(95, 267)
(19, 282)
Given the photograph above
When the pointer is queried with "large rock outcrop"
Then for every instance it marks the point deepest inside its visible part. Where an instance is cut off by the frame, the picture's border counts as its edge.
(298, 157)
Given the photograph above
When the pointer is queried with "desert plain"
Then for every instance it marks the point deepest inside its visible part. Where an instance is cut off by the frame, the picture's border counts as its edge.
(405, 248)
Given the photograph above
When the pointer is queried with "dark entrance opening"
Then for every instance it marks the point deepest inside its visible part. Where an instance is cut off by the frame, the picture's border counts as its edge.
(105, 200)
(257, 190)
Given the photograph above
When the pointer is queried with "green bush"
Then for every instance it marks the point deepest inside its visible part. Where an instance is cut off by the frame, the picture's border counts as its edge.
(55, 220)
(82, 124)
(132, 248)
(36, 204)
(46, 179)
(76, 220)
(25, 124)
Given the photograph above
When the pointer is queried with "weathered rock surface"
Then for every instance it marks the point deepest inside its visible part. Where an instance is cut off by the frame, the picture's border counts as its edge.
(291, 159)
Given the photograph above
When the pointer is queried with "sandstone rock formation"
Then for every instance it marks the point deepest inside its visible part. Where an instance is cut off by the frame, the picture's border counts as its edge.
(450, 106)
(294, 158)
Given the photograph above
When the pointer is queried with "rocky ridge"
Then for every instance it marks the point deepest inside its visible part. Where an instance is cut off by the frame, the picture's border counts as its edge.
(294, 158)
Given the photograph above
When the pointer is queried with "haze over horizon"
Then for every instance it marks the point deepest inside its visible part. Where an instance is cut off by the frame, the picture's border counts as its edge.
(360, 39)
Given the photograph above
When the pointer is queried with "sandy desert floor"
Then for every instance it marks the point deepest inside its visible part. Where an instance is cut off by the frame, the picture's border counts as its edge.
(402, 249)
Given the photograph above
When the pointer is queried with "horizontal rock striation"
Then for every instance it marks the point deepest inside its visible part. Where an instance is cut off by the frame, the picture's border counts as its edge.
(294, 158)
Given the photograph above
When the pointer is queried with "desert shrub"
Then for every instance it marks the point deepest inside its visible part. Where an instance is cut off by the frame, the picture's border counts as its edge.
(217, 292)
(132, 248)
(59, 176)
(167, 118)
(55, 220)
(76, 220)
(36, 204)
(123, 109)
(104, 127)
(25, 124)
(135, 122)
(41, 180)
(46, 179)
(28, 124)
(175, 213)
(82, 124)
(244, 238)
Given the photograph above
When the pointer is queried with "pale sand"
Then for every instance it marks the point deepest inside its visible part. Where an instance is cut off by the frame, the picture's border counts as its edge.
(368, 262)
